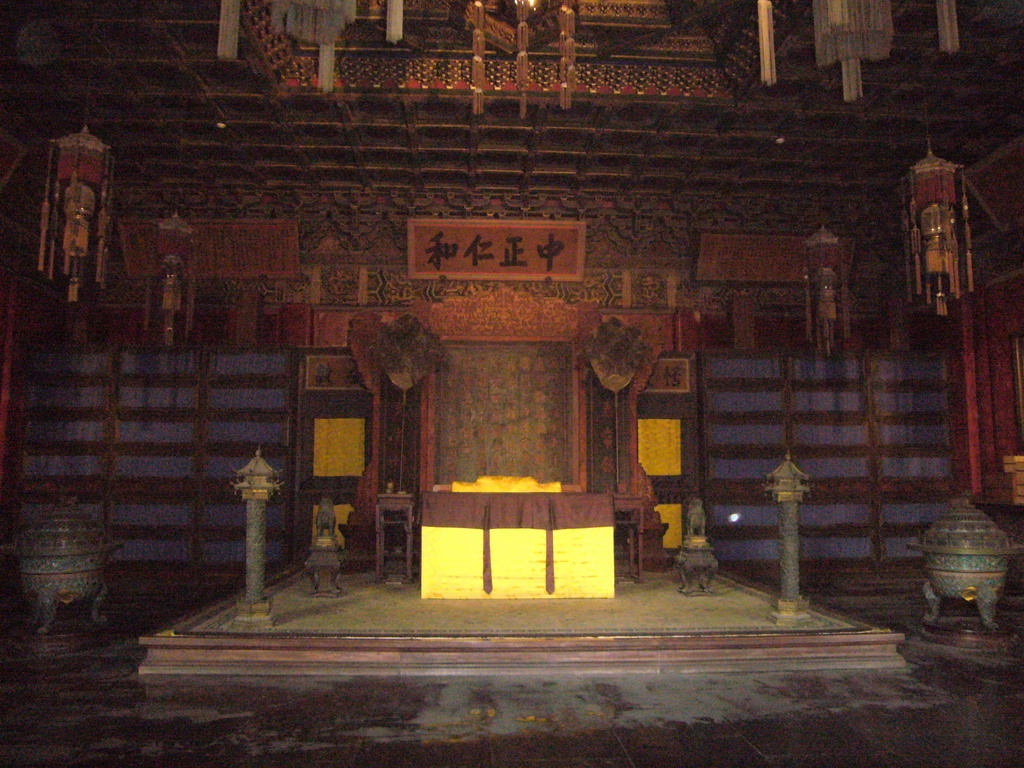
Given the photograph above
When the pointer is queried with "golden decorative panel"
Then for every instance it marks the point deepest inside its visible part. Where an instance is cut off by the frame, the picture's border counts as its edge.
(338, 447)
(659, 446)
(673, 515)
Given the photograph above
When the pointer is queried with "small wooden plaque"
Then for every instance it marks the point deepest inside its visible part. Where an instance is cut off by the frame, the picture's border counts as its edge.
(672, 374)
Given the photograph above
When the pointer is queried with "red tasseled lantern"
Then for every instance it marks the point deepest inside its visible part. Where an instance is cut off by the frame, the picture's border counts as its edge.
(935, 270)
(826, 290)
(75, 218)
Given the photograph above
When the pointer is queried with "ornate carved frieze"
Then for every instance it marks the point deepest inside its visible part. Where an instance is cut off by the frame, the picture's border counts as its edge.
(503, 314)
(297, 67)
(639, 246)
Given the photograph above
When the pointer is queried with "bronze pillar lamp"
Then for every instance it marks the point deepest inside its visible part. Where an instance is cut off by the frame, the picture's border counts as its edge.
(787, 485)
(257, 482)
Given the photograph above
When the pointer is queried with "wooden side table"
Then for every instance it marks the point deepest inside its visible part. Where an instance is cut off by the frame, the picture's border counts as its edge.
(629, 518)
(395, 511)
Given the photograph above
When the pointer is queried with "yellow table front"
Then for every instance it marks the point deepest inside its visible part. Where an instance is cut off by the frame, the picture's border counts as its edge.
(452, 565)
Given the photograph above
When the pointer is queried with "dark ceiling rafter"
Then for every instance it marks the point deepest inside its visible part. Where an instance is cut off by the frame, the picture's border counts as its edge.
(156, 93)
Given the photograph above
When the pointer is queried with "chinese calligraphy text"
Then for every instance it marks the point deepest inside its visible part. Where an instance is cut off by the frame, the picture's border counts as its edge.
(496, 249)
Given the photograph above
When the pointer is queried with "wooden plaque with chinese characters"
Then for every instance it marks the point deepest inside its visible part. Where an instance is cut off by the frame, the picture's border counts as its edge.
(332, 372)
(495, 249)
(671, 374)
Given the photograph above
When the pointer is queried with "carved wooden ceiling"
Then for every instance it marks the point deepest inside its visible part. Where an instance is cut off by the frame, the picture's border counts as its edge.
(670, 103)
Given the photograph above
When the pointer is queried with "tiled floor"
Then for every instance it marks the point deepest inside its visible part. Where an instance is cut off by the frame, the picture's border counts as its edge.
(63, 707)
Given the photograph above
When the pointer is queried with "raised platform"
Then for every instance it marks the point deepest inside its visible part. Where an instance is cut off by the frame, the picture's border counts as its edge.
(376, 629)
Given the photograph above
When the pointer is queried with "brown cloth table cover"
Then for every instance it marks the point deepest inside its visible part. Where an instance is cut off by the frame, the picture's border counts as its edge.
(545, 511)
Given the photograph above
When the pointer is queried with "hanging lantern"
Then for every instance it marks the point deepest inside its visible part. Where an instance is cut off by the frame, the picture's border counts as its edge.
(935, 270)
(567, 52)
(949, 34)
(75, 216)
(321, 22)
(174, 237)
(848, 31)
(826, 290)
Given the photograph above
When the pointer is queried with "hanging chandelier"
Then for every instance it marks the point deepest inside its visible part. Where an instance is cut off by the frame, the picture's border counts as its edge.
(826, 290)
(935, 270)
(75, 218)
(848, 31)
(320, 22)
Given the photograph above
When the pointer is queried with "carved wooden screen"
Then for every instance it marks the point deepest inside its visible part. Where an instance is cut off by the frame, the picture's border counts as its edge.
(505, 409)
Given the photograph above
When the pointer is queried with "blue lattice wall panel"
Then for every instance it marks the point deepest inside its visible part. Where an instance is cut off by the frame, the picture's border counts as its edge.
(828, 401)
(168, 550)
(250, 364)
(870, 431)
(71, 363)
(164, 416)
(247, 399)
(923, 401)
(262, 432)
(831, 434)
(725, 515)
(233, 551)
(746, 549)
(745, 434)
(743, 368)
(152, 514)
(157, 397)
(910, 367)
(745, 402)
(824, 370)
(62, 466)
(159, 363)
(914, 434)
(155, 431)
(67, 397)
(65, 431)
(912, 513)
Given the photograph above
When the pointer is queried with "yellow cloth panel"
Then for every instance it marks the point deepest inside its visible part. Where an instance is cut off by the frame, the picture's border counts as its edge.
(498, 484)
(585, 562)
(341, 513)
(452, 562)
(452, 565)
(673, 515)
(338, 447)
(659, 446)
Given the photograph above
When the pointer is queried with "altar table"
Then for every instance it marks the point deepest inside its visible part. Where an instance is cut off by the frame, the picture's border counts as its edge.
(517, 545)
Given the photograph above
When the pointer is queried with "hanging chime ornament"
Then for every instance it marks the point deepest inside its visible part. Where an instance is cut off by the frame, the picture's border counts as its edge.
(826, 290)
(848, 31)
(935, 270)
(523, 8)
(394, 32)
(766, 40)
(949, 35)
(478, 75)
(567, 52)
(75, 216)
